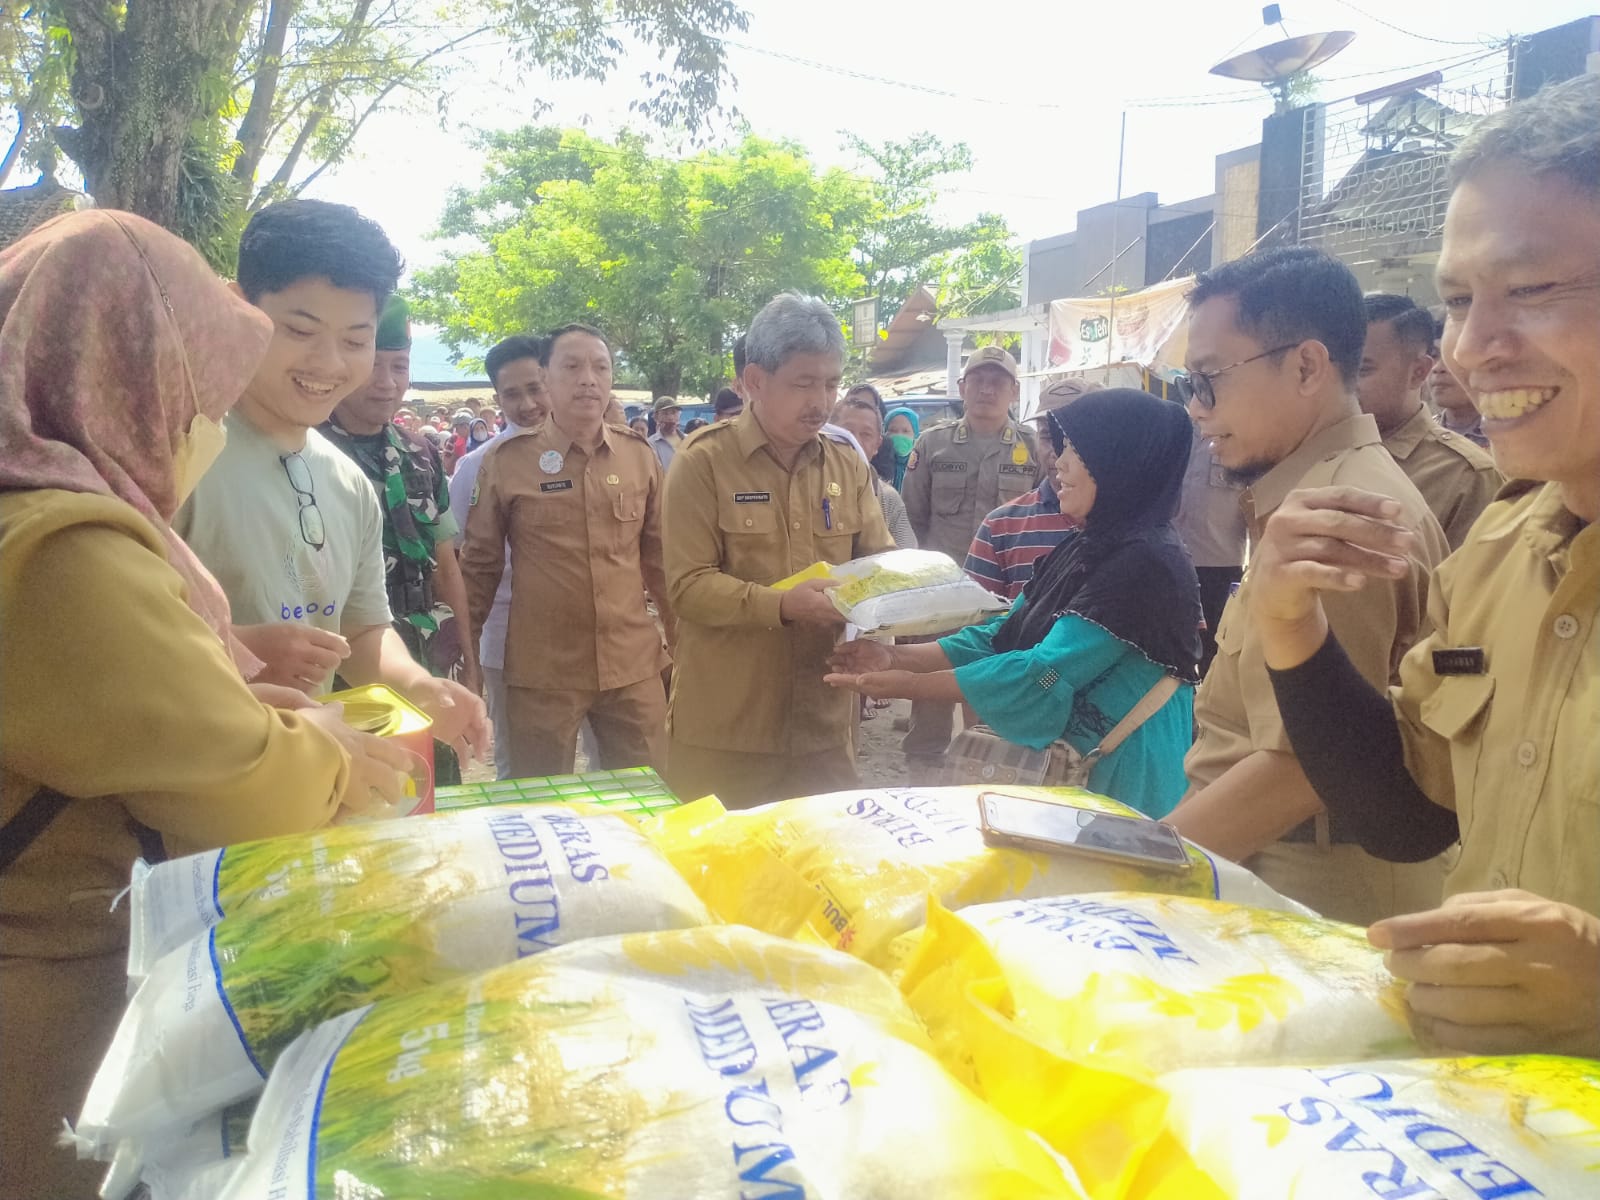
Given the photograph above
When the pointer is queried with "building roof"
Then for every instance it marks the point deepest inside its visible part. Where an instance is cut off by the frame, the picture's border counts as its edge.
(24, 208)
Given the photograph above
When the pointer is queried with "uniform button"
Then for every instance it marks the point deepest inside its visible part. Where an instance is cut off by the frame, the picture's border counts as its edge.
(748, 522)
(797, 524)
(1527, 754)
(1566, 626)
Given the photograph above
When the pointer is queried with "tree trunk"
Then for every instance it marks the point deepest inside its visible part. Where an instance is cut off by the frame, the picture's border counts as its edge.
(138, 90)
(258, 117)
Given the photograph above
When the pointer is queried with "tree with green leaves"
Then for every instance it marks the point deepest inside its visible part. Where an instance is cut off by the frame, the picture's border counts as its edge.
(192, 112)
(906, 245)
(670, 256)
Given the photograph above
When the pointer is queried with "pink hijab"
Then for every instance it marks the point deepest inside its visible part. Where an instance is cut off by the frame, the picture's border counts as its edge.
(113, 335)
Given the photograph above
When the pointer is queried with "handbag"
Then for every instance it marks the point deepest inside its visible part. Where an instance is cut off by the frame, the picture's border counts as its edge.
(980, 756)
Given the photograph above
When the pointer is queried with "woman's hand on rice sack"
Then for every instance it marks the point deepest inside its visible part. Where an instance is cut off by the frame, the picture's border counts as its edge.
(861, 656)
(459, 717)
(808, 603)
(379, 769)
(1499, 973)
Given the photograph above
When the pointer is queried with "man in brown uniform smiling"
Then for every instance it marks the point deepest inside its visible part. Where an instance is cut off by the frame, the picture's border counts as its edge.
(580, 503)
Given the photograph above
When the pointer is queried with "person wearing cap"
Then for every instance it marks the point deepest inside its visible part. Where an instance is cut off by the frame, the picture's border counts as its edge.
(578, 501)
(420, 532)
(1016, 535)
(958, 474)
(666, 439)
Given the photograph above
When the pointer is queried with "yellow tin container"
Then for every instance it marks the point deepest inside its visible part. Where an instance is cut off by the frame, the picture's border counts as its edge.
(381, 711)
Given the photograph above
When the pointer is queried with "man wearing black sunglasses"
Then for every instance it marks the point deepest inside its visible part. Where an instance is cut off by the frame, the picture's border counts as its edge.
(1274, 351)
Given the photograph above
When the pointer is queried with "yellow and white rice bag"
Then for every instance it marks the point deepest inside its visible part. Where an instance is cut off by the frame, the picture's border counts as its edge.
(306, 927)
(854, 870)
(707, 1063)
(1428, 1129)
(1145, 984)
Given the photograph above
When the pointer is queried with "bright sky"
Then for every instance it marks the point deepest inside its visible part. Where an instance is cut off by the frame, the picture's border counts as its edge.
(1036, 88)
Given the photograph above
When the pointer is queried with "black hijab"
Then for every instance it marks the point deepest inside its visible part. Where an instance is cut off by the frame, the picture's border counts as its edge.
(1126, 569)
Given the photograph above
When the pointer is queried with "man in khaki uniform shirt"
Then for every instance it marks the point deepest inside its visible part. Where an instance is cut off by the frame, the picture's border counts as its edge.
(957, 475)
(1496, 714)
(1274, 346)
(579, 502)
(750, 502)
(1456, 478)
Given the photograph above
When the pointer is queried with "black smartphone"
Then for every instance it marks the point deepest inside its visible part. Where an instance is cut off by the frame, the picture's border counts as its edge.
(1034, 824)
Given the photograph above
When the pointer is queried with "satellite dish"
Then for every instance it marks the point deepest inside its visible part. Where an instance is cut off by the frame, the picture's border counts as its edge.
(1274, 64)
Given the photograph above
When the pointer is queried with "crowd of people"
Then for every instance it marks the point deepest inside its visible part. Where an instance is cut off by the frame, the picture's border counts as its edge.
(213, 513)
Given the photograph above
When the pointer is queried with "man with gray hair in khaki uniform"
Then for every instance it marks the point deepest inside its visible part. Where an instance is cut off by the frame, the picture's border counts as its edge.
(750, 502)
(958, 474)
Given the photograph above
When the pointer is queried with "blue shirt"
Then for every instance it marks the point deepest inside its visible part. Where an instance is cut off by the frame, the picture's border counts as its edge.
(1077, 684)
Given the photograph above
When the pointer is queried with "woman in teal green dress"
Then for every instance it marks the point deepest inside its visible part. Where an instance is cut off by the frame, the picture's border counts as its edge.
(1108, 613)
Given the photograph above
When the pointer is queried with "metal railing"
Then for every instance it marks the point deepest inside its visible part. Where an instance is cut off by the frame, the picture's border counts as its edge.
(1374, 168)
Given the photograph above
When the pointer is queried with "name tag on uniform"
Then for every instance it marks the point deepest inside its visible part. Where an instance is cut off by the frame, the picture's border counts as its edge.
(1464, 660)
(752, 497)
(1013, 469)
(949, 466)
(559, 485)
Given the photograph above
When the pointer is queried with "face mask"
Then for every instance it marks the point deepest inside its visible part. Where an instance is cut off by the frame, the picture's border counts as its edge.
(902, 443)
(195, 454)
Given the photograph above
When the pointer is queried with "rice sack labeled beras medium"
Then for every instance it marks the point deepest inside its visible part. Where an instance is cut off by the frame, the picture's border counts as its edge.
(1442, 1129)
(903, 593)
(321, 924)
(714, 1062)
(1022, 994)
(854, 870)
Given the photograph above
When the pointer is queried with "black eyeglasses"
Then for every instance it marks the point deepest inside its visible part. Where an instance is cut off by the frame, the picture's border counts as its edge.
(312, 530)
(1197, 385)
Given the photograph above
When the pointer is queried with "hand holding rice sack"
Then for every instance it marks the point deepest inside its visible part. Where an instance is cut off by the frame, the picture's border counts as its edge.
(1032, 998)
(713, 1063)
(854, 870)
(316, 926)
(1110, 619)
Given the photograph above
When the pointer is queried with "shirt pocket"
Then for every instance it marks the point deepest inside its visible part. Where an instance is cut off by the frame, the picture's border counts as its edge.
(1457, 711)
(1015, 481)
(949, 491)
(627, 507)
(753, 547)
(834, 534)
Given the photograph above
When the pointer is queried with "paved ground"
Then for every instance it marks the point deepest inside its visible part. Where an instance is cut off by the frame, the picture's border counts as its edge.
(879, 760)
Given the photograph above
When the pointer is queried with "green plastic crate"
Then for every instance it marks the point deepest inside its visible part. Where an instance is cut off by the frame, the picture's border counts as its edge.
(633, 789)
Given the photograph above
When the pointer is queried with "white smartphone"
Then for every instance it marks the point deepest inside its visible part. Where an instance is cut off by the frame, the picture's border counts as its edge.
(1036, 824)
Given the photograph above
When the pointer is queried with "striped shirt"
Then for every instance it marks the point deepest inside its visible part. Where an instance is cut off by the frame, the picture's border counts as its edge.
(1015, 536)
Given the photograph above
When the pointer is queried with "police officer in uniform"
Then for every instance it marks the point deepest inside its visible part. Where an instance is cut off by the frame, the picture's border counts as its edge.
(750, 502)
(579, 502)
(958, 474)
